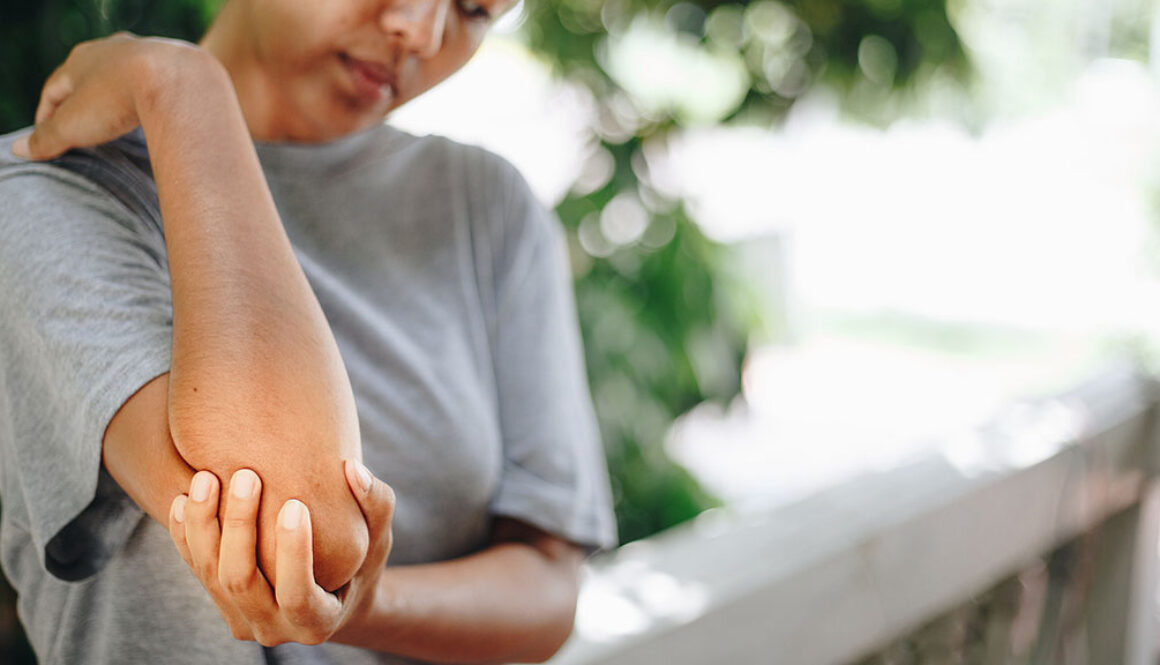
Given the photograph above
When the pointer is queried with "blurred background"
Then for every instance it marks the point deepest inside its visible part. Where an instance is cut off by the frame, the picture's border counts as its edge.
(809, 237)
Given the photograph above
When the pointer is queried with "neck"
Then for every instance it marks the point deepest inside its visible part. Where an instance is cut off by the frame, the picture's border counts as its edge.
(226, 40)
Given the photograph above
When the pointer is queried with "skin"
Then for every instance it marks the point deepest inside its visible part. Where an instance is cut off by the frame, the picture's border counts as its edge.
(257, 393)
(290, 60)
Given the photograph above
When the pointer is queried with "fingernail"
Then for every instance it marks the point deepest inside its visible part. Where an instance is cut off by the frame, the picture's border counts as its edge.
(179, 509)
(20, 147)
(243, 484)
(291, 514)
(364, 476)
(200, 490)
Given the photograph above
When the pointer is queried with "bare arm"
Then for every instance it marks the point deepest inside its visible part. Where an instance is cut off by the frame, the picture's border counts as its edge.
(512, 602)
(256, 378)
(139, 452)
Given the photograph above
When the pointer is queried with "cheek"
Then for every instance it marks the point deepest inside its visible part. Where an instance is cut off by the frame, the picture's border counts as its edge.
(297, 35)
(459, 46)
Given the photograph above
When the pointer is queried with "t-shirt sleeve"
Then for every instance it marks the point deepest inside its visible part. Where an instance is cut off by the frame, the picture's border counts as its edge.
(554, 474)
(85, 321)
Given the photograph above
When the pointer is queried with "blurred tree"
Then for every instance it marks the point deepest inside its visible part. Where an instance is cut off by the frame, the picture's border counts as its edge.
(664, 328)
(39, 34)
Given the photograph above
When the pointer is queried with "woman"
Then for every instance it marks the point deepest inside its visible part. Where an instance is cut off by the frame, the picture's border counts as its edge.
(187, 331)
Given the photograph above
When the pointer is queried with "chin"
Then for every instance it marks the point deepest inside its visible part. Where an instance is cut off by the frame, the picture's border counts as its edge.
(336, 125)
(355, 117)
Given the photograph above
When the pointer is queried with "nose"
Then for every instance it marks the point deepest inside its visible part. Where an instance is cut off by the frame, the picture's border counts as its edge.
(417, 24)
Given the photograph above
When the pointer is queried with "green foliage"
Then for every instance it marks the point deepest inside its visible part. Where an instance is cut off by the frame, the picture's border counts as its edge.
(39, 35)
(661, 327)
(878, 45)
(661, 324)
(661, 333)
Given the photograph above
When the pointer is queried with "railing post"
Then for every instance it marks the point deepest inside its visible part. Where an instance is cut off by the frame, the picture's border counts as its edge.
(1120, 617)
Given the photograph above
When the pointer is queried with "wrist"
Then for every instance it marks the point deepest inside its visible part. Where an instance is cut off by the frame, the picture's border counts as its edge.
(171, 76)
(373, 615)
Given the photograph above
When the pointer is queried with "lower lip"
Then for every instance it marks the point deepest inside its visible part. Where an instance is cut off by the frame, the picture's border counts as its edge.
(366, 85)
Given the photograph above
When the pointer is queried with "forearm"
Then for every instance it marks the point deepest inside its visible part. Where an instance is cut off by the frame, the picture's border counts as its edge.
(252, 352)
(256, 379)
(513, 602)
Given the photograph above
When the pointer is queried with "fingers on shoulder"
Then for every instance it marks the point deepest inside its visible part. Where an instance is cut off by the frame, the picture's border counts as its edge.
(44, 142)
(56, 89)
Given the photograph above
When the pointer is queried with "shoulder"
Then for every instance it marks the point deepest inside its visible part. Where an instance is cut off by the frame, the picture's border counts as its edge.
(482, 174)
(496, 194)
(75, 213)
(113, 180)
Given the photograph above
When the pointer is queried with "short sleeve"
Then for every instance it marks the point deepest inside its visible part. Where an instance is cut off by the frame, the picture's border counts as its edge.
(554, 474)
(85, 321)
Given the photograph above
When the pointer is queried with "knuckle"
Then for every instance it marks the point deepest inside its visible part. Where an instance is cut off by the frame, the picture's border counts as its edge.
(237, 581)
(206, 570)
(268, 640)
(300, 613)
(200, 514)
(237, 522)
(61, 73)
(312, 636)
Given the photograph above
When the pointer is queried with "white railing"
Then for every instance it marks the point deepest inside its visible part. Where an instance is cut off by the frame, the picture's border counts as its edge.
(858, 570)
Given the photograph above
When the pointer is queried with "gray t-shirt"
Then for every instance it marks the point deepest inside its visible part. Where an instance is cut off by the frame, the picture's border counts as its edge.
(446, 286)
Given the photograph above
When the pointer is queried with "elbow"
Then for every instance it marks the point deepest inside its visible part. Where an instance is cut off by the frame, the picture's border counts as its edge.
(339, 530)
(556, 623)
(339, 554)
(554, 639)
(291, 418)
(314, 477)
(296, 458)
(554, 564)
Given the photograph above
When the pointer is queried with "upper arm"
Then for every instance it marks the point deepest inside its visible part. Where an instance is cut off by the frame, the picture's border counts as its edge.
(139, 454)
(84, 323)
(86, 328)
(562, 554)
(554, 474)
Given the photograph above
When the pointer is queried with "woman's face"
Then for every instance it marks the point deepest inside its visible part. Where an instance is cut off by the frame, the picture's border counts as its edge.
(318, 69)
